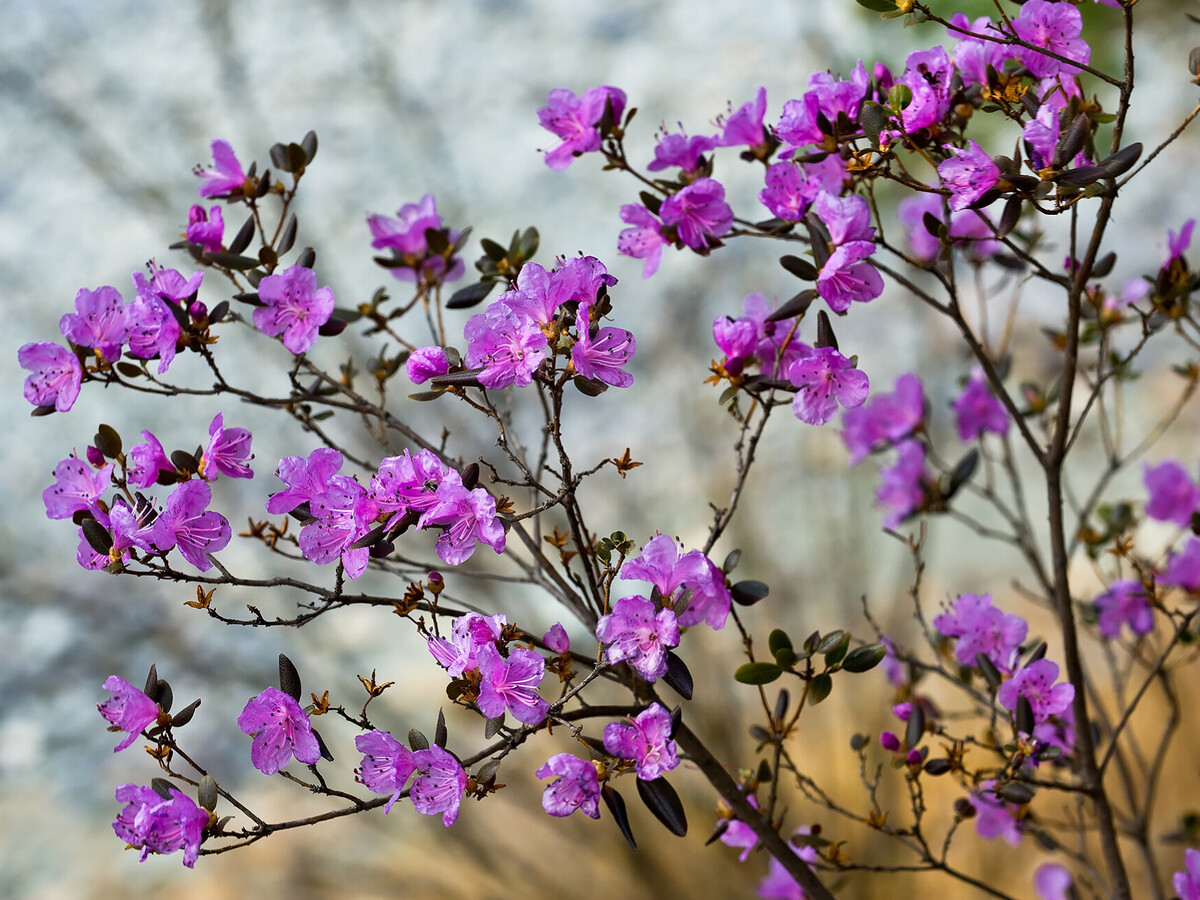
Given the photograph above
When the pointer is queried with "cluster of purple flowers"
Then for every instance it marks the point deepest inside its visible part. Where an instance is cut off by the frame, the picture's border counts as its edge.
(406, 236)
(341, 511)
(387, 765)
(160, 824)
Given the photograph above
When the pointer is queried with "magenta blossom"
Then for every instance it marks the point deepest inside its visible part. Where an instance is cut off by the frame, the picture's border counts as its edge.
(846, 278)
(128, 709)
(439, 784)
(159, 824)
(1055, 27)
(750, 339)
(1052, 881)
(1183, 570)
(778, 883)
(682, 151)
(982, 629)
(745, 127)
(828, 97)
(739, 835)
(604, 355)
(644, 240)
(425, 363)
(153, 329)
(1177, 244)
(847, 219)
(789, 191)
(887, 418)
(99, 321)
(228, 452)
(661, 564)
(227, 177)
(993, 817)
(928, 75)
(969, 175)
(1174, 497)
(294, 307)
(186, 522)
(645, 739)
(511, 684)
(281, 730)
(977, 410)
(206, 228)
(556, 639)
(410, 483)
(507, 344)
(1187, 880)
(56, 376)
(901, 487)
(469, 634)
(342, 515)
(405, 236)
(825, 379)
(577, 786)
(576, 120)
(1124, 603)
(971, 55)
(699, 213)
(470, 519)
(969, 228)
(76, 487)
(386, 766)
(1035, 682)
(145, 461)
(637, 632)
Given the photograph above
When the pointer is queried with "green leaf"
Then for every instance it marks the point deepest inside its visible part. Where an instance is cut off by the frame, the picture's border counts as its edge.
(757, 673)
(863, 659)
(879, 6)
(660, 798)
(747, 593)
(779, 640)
(819, 688)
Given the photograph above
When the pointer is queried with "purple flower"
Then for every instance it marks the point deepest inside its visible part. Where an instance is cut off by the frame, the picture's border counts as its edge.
(968, 228)
(644, 240)
(698, 212)
(511, 684)
(539, 294)
(206, 228)
(405, 236)
(556, 639)
(605, 355)
(981, 628)
(153, 329)
(1177, 244)
(307, 479)
(99, 321)
(294, 307)
(343, 514)
(751, 338)
(185, 522)
(76, 487)
(901, 487)
(969, 175)
(227, 178)
(408, 482)
(228, 451)
(927, 74)
(846, 218)
(470, 519)
(1052, 881)
(577, 786)
(788, 192)
(1036, 684)
(740, 835)
(128, 709)
(661, 564)
(56, 375)
(888, 417)
(1184, 568)
(645, 739)
(145, 461)
(827, 97)
(845, 278)
(1173, 494)
(439, 785)
(158, 824)
(508, 345)
(425, 363)
(386, 766)
(166, 284)
(469, 634)
(281, 730)
(825, 379)
(977, 410)
(585, 275)
(972, 56)
(1124, 603)
(778, 884)
(993, 817)
(1055, 27)
(745, 127)
(637, 632)
(681, 150)
(1187, 881)
(575, 120)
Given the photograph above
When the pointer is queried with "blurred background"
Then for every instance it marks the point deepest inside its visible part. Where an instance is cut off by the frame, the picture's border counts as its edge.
(106, 106)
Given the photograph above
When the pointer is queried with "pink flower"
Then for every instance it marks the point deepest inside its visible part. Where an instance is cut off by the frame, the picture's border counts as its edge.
(470, 519)
(645, 739)
(681, 150)
(981, 628)
(789, 191)
(644, 240)
(901, 487)
(386, 766)
(576, 121)
(439, 784)
(846, 279)
(1055, 27)
(425, 363)
(605, 355)
(977, 410)
(227, 178)
(185, 522)
(969, 175)
(745, 127)
(76, 487)
(146, 460)
(1052, 881)
(993, 817)
(1124, 603)
(159, 824)
(56, 376)
(556, 639)
(1187, 881)
(511, 684)
(206, 228)
(577, 786)
(636, 632)
(508, 345)
(1174, 497)
(825, 379)
(128, 709)
(99, 321)
(661, 564)
(343, 513)
(1036, 684)
(307, 479)
(294, 307)
(470, 633)
(405, 236)
(228, 451)
(281, 730)
(888, 417)
(699, 213)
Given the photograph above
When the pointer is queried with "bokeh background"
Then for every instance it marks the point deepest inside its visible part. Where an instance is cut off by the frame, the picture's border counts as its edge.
(105, 107)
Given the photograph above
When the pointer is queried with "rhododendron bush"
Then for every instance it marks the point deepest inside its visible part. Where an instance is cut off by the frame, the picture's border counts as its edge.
(946, 186)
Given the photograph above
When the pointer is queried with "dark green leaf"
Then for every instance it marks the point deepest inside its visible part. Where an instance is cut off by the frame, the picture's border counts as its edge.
(678, 676)
(879, 6)
(417, 740)
(801, 268)
(288, 238)
(466, 297)
(184, 716)
(616, 805)
(97, 536)
(439, 731)
(757, 673)
(915, 730)
(206, 793)
(819, 688)
(1024, 715)
(990, 673)
(778, 640)
(107, 441)
(796, 306)
(835, 654)
(865, 658)
(231, 260)
(747, 593)
(289, 678)
(1016, 792)
(309, 143)
(660, 798)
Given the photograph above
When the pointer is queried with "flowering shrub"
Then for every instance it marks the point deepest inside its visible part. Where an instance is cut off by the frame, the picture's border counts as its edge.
(854, 161)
